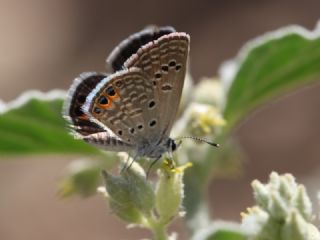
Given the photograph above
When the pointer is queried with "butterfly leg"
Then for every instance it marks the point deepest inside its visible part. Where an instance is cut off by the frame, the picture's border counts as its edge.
(128, 163)
(151, 165)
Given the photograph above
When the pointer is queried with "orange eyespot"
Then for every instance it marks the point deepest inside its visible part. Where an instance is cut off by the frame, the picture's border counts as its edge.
(104, 102)
(111, 93)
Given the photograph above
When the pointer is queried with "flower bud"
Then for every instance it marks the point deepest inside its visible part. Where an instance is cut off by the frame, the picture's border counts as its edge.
(303, 203)
(209, 91)
(140, 189)
(254, 220)
(286, 189)
(169, 195)
(260, 193)
(295, 227)
(127, 212)
(200, 120)
(287, 209)
(117, 188)
(81, 177)
(120, 201)
(278, 209)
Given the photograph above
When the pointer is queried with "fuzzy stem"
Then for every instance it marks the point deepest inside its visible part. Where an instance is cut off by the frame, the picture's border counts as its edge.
(159, 232)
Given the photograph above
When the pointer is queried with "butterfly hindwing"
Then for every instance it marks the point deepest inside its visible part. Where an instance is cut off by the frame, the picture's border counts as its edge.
(124, 102)
(85, 129)
(76, 97)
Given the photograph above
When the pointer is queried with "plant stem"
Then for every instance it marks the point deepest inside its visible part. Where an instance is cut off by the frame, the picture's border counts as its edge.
(159, 232)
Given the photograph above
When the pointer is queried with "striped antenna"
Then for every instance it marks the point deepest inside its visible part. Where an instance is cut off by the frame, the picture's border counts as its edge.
(199, 140)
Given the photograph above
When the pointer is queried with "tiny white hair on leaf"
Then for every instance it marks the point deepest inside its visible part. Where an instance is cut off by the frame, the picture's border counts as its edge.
(25, 97)
(206, 232)
(230, 68)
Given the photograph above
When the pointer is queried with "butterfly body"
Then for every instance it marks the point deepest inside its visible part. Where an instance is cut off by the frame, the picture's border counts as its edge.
(134, 108)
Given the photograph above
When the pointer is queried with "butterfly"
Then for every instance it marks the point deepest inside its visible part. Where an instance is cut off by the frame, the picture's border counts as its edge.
(133, 108)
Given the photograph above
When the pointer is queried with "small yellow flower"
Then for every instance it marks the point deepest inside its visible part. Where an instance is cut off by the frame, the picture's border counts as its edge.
(169, 166)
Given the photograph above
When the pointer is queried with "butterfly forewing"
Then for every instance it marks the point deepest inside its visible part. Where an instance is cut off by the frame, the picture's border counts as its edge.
(164, 60)
(131, 45)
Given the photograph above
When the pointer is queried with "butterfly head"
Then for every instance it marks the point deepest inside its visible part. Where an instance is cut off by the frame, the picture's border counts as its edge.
(156, 150)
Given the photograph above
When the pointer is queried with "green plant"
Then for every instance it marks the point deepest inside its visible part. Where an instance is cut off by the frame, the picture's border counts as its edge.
(265, 68)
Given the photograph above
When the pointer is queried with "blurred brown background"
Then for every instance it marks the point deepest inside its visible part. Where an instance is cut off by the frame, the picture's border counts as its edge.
(45, 44)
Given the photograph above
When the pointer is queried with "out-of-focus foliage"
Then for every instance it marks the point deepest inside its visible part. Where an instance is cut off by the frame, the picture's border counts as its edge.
(268, 67)
(265, 68)
(283, 211)
(33, 124)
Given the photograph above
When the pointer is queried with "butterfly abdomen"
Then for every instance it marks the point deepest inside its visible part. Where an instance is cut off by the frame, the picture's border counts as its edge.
(107, 141)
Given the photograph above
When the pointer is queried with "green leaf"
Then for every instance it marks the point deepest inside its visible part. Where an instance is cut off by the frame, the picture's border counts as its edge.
(269, 67)
(221, 231)
(33, 124)
(226, 235)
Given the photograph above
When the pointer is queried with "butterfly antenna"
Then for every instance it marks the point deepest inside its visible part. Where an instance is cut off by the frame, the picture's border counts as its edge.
(199, 140)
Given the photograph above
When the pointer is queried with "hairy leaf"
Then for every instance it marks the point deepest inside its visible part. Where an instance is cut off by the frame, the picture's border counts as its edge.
(33, 124)
(220, 230)
(270, 66)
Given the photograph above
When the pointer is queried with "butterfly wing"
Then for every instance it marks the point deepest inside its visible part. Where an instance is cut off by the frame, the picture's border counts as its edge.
(80, 122)
(164, 60)
(76, 97)
(131, 45)
(135, 107)
(124, 103)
